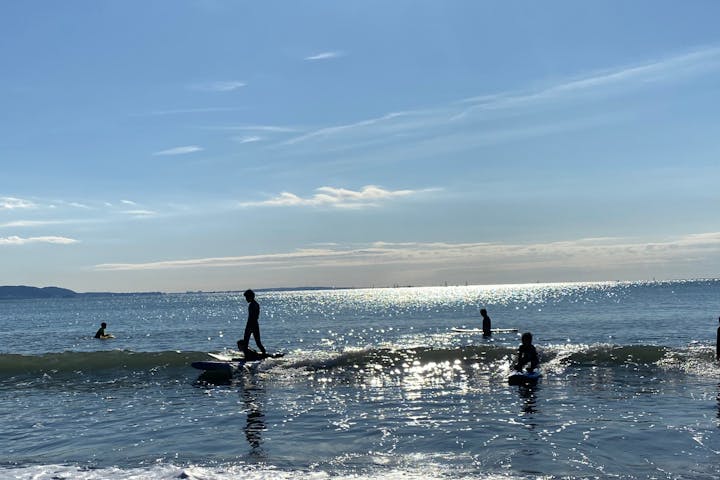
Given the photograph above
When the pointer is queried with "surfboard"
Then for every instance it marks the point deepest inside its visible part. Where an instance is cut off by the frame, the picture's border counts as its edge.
(524, 378)
(233, 356)
(228, 362)
(223, 357)
(218, 366)
(479, 330)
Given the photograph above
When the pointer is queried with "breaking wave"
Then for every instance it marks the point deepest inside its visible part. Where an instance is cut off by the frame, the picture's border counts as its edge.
(94, 362)
(693, 358)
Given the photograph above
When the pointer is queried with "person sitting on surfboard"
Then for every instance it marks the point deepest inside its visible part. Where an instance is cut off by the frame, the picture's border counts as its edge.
(252, 327)
(101, 332)
(486, 325)
(527, 354)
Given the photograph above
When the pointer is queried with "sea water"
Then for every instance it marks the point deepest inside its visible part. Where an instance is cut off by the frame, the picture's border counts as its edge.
(374, 385)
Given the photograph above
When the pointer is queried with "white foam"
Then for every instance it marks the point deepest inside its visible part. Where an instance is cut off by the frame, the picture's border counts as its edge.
(246, 472)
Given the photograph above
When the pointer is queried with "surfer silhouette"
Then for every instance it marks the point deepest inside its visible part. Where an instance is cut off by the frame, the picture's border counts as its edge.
(252, 327)
(717, 345)
(486, 323)
(101, 332)
(527, 354)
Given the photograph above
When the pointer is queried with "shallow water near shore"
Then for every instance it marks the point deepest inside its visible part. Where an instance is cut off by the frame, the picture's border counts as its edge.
(374, 385)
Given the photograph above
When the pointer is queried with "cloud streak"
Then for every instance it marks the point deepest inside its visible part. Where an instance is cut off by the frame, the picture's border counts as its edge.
(187, 111)
(254, 128)
(184, 150)
(38, 223)
(248, 139)
(601, 254)
(219, 86)
(15, 240)
(473, 113)
(12, 203)
(139, 213)
(368, 196)
(324, 56)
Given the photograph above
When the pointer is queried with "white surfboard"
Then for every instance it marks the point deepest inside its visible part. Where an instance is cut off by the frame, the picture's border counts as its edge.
(223, 357)
(479, 330)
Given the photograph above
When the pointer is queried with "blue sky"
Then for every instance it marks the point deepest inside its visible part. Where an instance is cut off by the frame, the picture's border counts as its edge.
(217, 145)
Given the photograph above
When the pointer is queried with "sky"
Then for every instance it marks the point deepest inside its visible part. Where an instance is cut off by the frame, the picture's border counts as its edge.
(213, 145)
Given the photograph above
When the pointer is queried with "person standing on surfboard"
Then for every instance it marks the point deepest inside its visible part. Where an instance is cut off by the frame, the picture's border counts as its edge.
(252, 327)
(527, 354)
(486, 325)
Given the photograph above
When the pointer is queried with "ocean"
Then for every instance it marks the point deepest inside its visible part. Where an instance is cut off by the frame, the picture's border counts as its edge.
(374, 385)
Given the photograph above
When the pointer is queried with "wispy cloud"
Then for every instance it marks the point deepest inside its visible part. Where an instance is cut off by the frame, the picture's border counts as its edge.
(79, 205)
(621, 78)
(475, 114)
(604, 254)
(184, 150)
(368, 196)
(12, 203)
(255, 133)
(188, 111)
(253, 128)
(324, 56)
(38, 223)
(14, 240)
(221, 261)
(140, 213)
(339, 129)
(219, 86)
(247, 139)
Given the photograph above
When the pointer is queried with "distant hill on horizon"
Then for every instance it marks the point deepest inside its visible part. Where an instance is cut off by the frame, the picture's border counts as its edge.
(22, 291)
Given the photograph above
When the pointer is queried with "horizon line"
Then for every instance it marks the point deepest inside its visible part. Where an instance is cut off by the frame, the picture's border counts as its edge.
(381, 287)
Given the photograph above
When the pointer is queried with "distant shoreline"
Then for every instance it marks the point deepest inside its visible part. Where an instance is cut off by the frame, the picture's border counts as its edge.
(23, 292)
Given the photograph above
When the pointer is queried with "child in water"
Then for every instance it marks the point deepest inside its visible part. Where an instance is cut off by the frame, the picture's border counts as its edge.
(101, 332)
(527, 354)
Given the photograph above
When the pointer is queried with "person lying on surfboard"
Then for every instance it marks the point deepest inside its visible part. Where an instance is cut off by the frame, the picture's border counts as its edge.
(527, 354)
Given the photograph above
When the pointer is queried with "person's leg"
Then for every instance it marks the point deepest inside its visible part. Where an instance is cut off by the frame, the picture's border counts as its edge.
(256, 336)
(248, 332)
